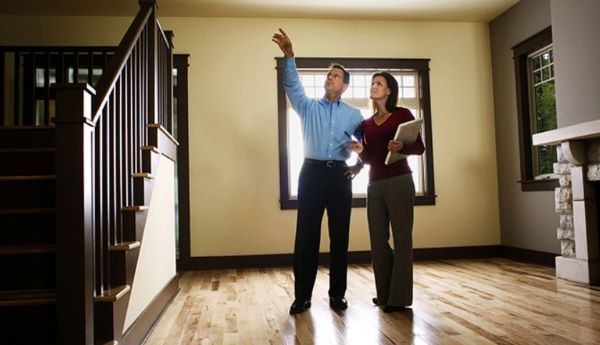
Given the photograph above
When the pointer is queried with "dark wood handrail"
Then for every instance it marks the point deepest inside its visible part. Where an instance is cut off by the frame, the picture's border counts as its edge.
(164, 35)
(117, 63)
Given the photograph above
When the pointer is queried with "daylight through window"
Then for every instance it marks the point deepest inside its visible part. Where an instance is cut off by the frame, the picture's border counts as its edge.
(413, 82)
(356, 95)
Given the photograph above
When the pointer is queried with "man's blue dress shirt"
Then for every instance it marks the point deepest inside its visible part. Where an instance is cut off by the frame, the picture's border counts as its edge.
(324, 123)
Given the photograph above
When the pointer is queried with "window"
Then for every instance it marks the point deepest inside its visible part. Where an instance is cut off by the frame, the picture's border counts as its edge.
(536, 107)
(413, 82)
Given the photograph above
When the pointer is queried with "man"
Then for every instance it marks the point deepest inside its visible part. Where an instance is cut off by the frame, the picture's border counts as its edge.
(325, 180)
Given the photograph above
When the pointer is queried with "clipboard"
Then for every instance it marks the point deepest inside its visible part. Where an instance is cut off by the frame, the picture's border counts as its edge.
(407, 133)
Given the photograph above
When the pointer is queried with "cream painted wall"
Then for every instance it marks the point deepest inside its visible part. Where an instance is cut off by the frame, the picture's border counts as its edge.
(234, 187)
(233, 124)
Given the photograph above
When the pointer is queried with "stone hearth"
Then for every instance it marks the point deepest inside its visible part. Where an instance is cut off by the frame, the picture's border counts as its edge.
(576, 199)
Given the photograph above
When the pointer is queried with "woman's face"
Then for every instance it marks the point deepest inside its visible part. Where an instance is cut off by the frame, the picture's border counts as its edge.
(379, 88)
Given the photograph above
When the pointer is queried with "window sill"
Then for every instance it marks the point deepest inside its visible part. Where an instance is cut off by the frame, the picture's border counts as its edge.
(420, 200)
(538, 185)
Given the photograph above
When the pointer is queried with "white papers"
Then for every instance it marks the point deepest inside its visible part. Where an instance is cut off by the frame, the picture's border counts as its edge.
(407, 133)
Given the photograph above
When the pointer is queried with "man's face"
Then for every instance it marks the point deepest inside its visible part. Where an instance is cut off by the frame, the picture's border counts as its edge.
(334, 84)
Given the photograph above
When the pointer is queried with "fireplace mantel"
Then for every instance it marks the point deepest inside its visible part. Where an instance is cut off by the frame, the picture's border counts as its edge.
(576, 199)
(582, 131)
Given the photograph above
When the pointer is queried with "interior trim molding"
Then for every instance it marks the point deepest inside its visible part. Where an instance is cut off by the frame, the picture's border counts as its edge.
(529, 256)
(364, 257)
(142, 326)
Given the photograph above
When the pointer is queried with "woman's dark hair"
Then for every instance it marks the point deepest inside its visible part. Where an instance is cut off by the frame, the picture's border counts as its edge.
(392, 84)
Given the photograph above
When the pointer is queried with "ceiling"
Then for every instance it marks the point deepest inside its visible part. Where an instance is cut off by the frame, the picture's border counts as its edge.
(417, 10)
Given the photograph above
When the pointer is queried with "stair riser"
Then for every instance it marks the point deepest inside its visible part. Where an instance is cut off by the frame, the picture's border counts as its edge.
(133, 225)
(26, 137)
(150, 160)
(22, 229)
(27, 163)
(159, 139)
(142, 188)
(123, 266)
(26, 321)
(109, 319)
(28, 194)
(34, 324)
(28, 271)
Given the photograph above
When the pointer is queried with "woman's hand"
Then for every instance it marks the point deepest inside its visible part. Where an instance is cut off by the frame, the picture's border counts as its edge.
(355, 146)
(395, 145)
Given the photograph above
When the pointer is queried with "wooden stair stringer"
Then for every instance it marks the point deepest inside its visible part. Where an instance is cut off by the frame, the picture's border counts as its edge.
(124, 256)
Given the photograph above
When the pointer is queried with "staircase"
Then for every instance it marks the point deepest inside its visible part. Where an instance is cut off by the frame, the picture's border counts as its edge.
(74, 199)
(28, 251)
(110, 306)
(27, 235)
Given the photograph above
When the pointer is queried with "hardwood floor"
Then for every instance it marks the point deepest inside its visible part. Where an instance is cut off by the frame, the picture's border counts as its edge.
(487, 301)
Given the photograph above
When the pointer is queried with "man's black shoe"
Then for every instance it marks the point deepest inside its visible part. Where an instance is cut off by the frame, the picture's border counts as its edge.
(299, 306)
(338, 303)
(375, 301)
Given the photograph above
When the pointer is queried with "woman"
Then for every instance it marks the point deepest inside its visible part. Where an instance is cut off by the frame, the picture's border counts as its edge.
(390, 195)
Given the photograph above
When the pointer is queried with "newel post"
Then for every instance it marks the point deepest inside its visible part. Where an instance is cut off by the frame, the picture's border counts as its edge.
(74, 214)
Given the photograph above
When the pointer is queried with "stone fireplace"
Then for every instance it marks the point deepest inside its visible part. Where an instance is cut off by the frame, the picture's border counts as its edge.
(577, 199)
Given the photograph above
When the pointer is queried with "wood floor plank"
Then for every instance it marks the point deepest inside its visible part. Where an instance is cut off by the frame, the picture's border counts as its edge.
(462, 302)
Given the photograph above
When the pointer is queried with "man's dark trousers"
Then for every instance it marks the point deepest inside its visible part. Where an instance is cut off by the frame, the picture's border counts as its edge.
(322, 185)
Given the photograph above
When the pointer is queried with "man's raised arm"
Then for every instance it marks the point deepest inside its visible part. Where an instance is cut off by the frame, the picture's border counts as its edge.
(291, 80)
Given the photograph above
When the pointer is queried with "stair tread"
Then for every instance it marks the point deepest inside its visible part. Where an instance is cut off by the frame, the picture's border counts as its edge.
(151, 148)
(28, 178)
(28, 249)
(144, 175)
(26, 294)
(163, 129)
(26, 127)
(27, 210)
(27, 297)
(123, 246)
(134, 208)
(27, 149)
(113, 294)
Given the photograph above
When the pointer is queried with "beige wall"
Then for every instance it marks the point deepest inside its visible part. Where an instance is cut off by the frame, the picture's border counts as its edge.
(234, 187)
